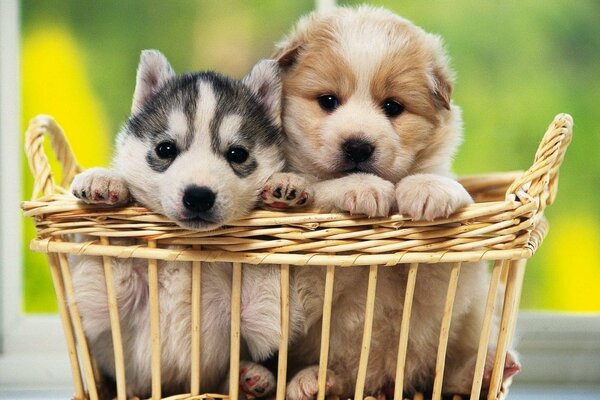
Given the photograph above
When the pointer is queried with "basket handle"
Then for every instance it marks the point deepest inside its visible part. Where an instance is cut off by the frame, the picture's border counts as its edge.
(43, 183)
(540, 181)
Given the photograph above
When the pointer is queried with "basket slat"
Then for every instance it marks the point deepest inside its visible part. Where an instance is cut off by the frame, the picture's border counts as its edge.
(234, 363)
(59, 289)
(445, 332)
(404, 330)
(78, 327)
(285, 327)
(154, 323)
(325, 330)
(115, 323)
(509, 314)
(486, 330)
(367, 332)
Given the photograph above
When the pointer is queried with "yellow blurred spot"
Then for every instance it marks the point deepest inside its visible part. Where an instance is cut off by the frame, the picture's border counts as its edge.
(54, 82)
(572, 264)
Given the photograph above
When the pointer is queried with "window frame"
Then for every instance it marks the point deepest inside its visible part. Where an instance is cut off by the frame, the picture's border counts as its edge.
(33, 351)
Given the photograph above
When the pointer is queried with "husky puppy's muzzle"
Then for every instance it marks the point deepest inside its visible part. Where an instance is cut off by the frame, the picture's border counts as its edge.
(198, 202)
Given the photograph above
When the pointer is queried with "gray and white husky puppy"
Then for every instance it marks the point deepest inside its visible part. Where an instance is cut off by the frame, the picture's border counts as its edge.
(197, 148)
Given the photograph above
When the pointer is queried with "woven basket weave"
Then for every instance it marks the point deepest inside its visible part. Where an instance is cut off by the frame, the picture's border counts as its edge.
(504, 226)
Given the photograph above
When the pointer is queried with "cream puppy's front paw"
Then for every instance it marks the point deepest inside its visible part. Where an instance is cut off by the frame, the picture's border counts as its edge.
(305, 384)
(286, 190)
(429, 196)
(100, 186)
(358, 194)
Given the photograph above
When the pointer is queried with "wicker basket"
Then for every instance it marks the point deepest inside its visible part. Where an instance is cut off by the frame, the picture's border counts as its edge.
(504, 226)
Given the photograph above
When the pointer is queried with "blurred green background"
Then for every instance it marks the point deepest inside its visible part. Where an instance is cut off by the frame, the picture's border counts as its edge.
(518, 64)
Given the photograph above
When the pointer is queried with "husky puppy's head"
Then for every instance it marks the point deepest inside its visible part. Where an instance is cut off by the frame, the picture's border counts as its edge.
(365, 90)
(199, 147)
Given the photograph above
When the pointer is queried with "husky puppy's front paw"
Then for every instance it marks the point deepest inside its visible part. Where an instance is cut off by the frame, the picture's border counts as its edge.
(255, 380)
(286, 190)
(100, 186)
(429, 196)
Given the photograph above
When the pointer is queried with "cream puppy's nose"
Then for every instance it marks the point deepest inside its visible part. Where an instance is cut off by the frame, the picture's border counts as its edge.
(357, 150)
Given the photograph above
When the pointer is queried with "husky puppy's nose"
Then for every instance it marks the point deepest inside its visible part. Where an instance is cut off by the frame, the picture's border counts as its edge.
(357, 150)
(198, 198)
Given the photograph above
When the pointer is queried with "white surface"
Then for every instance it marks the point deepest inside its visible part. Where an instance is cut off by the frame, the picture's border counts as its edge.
(518, 392)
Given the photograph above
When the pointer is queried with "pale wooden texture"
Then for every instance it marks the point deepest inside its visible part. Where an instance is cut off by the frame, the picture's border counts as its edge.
(404, 330)
(486, 330)
(367, 331)
(505, 224)
(444, 332)
(59, 289)
(285, 327)
(234, 363)
(509, 315)
(115, 325)
(154, 323)
(78, 327)
(44, 183)
(327, 304)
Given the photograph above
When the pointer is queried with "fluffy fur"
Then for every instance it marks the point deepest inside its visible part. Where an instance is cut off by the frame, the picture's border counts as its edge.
(179, 155)
(368, 118)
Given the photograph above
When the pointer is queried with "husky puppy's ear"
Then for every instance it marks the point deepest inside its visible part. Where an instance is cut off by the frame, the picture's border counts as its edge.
(265, 82)
(153, 71)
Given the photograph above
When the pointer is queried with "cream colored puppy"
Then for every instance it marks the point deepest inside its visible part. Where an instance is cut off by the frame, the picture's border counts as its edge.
(368, 118)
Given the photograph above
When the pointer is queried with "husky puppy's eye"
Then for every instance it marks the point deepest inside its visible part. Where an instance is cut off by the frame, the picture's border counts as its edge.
(392, 108)
(328, 102)
(236, 154)
(166, 150)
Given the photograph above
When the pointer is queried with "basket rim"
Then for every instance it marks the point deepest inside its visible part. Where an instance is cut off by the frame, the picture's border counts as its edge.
(505, 222)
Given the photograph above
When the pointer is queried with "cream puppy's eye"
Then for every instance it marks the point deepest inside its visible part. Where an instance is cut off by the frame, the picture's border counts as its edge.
(328, 102)
(392, 108)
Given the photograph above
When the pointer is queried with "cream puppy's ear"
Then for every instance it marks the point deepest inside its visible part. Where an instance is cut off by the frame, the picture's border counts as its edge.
(287, 53)
(441, 76)
(265, 82)
(153, 71)
(442, 88)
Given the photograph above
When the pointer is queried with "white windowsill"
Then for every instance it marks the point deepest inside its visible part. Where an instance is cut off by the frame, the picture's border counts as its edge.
(517, 392)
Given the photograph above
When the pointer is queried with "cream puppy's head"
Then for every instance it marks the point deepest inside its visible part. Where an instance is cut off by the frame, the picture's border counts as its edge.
(366, 91)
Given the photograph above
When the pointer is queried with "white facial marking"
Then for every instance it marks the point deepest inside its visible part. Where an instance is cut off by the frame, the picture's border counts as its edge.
(177, 123)
(207, 105)
(230, 128)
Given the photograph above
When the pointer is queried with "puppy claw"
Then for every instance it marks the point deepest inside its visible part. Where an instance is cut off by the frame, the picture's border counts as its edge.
(100, 186)
(429, 196)
(286, 190)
